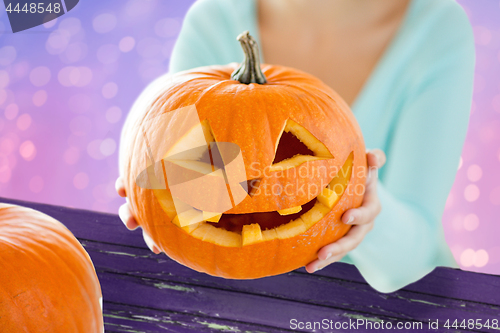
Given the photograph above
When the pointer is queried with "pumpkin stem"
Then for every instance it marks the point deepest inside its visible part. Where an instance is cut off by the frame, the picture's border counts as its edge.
(249, 70)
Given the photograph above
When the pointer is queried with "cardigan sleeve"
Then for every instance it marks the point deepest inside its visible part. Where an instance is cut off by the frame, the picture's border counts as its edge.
(423, 153)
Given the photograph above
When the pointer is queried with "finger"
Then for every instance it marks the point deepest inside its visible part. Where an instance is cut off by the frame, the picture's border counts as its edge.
(375, 158)
(150, 243)
(120, 187)
(368, 210)
(347, 243)
(318, 264)
(126, 216)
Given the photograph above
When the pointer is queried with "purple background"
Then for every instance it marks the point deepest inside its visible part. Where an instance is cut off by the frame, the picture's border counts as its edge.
(66, 87)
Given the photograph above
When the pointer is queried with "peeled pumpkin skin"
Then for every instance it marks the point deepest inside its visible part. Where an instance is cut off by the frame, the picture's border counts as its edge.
(254, 117)
(47, 280)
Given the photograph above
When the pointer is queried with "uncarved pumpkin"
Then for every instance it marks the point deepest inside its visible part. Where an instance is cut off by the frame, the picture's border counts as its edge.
(282, 121)
(47, 280)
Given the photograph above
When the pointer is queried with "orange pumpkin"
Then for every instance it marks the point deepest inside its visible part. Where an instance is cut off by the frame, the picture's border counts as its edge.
(291, 132)
(47, 280)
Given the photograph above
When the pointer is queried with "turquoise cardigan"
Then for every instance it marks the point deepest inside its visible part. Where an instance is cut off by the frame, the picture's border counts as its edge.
(414, 106)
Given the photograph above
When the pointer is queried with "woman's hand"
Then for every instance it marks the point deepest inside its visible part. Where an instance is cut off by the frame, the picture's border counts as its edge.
(361, 218)
(125, 213)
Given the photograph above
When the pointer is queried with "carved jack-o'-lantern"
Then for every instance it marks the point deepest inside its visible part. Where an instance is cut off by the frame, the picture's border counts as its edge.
(299, 163)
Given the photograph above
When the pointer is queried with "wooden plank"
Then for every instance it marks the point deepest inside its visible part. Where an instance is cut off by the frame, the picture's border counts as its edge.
(341, 295)
(442, 281)
(218, 303)
(86, 224)
(125, 318)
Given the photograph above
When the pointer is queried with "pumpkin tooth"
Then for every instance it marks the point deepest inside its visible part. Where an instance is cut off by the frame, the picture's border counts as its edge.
(192, 227)
(202, 231)
(211, 217)
(208, 233)
(328, 197)
(251, 234)
(188, 217)
(269, 235)
(291, 229)
(289, 211)
(314, 214)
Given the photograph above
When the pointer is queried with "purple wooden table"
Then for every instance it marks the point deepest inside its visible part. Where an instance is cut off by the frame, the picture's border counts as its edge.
(144, 292)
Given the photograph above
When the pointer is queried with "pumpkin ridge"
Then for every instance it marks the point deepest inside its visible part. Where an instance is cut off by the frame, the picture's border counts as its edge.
(208, 89)
(157, 98)
(147, 114)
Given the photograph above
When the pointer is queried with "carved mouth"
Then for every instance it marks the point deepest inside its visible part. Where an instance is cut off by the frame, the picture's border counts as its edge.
(235, 230)
(266, 220)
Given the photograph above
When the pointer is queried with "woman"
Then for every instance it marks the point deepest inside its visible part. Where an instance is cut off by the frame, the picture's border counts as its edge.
(406, 69)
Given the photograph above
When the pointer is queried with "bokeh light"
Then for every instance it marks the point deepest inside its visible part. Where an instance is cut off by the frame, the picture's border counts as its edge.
(109, 90)
(27, 150)
(474, 173)
(127, 44)
(11, 111)
(107, 147)
(23, 122)
(467, 257)
(81, 180)
(113, 114)
(40, 76)
(4, 79)
(40, 97)
(104, 23)
(58, 41)
(471, 222)
(471, 193)
(481, 258)
(7, 55)
(477, 183)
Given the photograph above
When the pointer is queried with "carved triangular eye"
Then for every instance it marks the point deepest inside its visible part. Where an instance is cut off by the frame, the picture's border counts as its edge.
(297, 145)
(289, 146)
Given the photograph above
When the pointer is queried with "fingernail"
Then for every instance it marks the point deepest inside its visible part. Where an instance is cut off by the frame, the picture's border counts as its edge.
(351, 219)
(328, 256)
